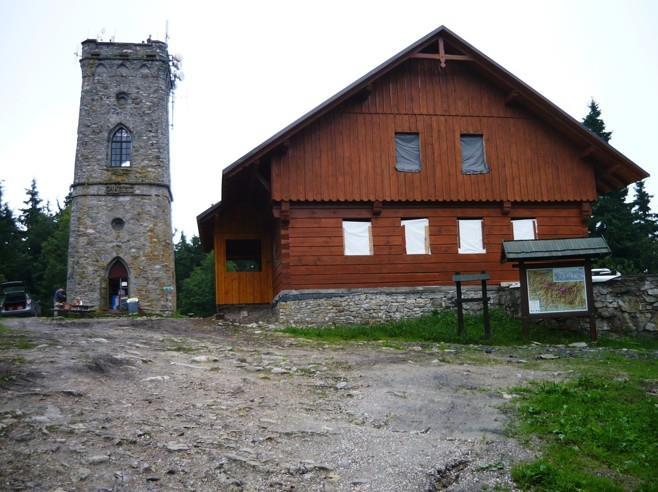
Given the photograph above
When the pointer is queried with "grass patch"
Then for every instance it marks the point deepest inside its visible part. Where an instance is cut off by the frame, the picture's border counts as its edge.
(181, 348)
(5, 376)
(440, 327)
(598, 432)
(10, 339)
(174, 345)
(637, 343)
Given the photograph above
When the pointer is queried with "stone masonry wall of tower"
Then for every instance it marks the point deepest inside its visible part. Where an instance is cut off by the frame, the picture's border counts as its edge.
(123, 212)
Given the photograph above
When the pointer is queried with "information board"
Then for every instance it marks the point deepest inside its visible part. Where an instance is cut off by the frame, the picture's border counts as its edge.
(556, 290)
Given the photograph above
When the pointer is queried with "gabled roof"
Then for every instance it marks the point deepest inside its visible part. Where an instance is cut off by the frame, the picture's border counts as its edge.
(613, 169)
(544, 249)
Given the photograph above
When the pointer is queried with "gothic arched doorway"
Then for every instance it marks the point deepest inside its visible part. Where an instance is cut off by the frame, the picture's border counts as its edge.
(117, 279)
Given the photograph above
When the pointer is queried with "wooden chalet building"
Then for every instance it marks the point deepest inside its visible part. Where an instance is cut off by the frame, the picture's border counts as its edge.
(417, 170)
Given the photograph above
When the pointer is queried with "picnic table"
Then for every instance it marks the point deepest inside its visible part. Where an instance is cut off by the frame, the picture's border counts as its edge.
(79, 310)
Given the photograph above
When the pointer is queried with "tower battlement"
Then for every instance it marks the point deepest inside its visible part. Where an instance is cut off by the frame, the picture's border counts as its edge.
(147, 50)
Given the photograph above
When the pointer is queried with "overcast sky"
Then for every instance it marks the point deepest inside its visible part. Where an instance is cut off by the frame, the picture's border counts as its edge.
(253, 67)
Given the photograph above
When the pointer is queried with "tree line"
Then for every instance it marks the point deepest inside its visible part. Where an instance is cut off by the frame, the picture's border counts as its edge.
(34, 241)
(629, 227)
(34, 244)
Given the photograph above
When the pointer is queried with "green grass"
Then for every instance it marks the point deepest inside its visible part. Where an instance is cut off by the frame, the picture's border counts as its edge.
(639, 343)
(173, 345)
(598, 432)
(10, 339)
(440, 327)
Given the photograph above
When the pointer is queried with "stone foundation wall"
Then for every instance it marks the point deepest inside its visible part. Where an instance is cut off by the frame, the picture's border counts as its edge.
(352, 306)
(628, 305)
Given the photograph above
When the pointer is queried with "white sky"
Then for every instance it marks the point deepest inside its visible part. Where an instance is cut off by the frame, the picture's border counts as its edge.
(253, 67)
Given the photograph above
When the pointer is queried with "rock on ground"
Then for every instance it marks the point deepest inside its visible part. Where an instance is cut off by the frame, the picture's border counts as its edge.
(267, 412)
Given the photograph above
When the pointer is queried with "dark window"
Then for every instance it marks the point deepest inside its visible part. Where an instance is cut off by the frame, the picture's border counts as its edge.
(118, 223)
(473, 158)
(243, 255)
(121, 150)
(122, 99)
(407, 152)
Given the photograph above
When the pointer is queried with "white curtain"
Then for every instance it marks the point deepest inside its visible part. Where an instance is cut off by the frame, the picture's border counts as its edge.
(416, 235)
(357, 237)
(524, 229)
(470, 236)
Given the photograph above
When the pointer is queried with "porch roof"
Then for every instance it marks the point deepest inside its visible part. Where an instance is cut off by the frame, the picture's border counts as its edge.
(547, 249)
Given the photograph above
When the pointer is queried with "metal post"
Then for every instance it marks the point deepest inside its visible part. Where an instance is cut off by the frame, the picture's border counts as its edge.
(485, 309)
(460, 310)
(590, 300)
(525, 310)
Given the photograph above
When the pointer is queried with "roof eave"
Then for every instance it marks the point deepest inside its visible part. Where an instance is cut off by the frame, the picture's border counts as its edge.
(205, 224)
(528, 96)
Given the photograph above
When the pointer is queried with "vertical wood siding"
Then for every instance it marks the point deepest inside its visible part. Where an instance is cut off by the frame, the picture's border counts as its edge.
(243, 287)
(349, 154)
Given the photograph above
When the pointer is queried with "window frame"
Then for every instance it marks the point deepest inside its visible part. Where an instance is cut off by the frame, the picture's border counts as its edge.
(426, 242)
(460, 249)
(125, 148)
(420, 156)
(233, 258)
(371, 247)
(521, 219)
(484, 153)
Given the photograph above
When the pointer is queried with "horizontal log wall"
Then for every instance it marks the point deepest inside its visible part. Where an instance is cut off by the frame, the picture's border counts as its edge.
(349, 154)
(317, 260)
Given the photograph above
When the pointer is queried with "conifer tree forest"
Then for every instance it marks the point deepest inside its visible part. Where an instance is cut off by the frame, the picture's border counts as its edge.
(34, 241)
(629, 226)
(34, 248)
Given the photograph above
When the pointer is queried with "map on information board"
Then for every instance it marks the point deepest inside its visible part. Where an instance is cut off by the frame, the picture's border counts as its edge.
(556, 290)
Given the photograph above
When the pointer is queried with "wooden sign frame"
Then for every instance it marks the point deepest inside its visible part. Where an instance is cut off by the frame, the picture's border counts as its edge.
(527, 316)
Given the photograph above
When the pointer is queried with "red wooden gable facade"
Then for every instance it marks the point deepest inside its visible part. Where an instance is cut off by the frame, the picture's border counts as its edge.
(281, 224)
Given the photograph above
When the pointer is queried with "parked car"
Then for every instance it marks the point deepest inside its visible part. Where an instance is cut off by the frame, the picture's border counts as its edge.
(603, 274)
(15, 300)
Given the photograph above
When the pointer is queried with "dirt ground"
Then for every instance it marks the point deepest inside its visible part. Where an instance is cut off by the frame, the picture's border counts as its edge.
(156, 404)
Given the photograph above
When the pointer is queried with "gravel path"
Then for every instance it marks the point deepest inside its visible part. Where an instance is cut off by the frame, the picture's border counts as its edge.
(155, 404)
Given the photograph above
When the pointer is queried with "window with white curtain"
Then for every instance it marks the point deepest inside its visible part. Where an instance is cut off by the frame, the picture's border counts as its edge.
(416, 236)
(524, 228)
(471, 237)
(357, 238)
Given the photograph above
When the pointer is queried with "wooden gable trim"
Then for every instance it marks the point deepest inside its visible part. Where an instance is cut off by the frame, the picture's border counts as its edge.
(518, 91)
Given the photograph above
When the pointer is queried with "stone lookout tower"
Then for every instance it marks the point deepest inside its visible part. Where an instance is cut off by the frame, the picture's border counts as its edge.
(121, 240)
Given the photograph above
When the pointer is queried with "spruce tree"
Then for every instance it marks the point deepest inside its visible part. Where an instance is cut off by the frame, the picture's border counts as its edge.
(612, 217)
(647, 227)
(11, 244)
(642, 210)
(594, 123)
(187, 256)
(54, 258)
(38, 224)
(629, 228)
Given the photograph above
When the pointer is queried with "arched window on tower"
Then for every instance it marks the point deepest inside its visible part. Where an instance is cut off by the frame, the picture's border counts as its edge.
(121, 148)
